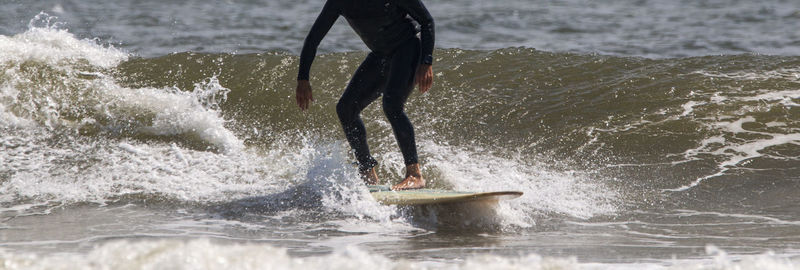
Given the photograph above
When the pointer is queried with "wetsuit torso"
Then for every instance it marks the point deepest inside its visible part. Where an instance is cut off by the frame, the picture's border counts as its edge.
(382, 25)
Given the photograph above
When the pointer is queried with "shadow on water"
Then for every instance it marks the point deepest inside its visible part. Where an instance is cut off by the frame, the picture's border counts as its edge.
(306, 197)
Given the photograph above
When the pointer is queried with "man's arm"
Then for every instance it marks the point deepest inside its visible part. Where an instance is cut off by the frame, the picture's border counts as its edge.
(419, 13)
(324, 22)
(326, 18)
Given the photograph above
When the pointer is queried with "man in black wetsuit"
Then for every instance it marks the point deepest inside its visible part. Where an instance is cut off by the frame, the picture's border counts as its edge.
(398, 60)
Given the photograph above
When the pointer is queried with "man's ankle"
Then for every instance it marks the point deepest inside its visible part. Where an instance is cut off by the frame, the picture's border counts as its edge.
(369, 176)
(413, 170)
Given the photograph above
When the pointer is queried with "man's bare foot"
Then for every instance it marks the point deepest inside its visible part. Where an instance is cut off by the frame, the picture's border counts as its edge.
(413, 178)
(370, 177)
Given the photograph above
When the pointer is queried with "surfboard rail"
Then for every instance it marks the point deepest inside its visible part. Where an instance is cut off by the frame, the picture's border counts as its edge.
(383, 194)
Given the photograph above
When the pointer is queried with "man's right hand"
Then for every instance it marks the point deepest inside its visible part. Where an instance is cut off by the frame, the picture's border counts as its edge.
(303, 94)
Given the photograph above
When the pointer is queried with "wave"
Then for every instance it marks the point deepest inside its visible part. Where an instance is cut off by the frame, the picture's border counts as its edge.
(583, 135)
(590, 110)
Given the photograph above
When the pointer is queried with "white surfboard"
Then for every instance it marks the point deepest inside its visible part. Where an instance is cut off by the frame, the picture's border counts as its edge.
(385, 195)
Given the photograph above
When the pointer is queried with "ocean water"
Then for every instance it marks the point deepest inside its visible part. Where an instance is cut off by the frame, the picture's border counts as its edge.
(164, 135)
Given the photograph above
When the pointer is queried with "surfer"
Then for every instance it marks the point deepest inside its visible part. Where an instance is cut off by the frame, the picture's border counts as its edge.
(401, 57)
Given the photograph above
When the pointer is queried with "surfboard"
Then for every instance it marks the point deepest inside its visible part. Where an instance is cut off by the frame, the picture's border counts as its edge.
(385, 195)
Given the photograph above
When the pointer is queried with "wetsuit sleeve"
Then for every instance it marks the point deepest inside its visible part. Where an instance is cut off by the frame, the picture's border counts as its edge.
(419, 13)
(326, 18)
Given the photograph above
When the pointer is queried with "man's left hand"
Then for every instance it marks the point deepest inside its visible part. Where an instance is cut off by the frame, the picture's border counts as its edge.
(424, 77)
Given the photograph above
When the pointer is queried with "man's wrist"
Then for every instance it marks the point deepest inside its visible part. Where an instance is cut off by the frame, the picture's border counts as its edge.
(427, 60)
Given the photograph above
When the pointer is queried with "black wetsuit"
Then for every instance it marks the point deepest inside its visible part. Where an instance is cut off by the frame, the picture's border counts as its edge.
(387, 29)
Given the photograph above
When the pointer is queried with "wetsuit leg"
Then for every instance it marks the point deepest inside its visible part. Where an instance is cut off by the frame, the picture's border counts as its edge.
(363, 89)
(400, 82)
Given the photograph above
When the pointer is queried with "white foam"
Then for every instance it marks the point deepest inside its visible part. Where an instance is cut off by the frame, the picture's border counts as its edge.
(775, 124)
(789, 74)
(206, 254)
(77, 94)
(174, 112)
(785, 98)
(742, 152)
(688, 107)
(545, 191)
(131, 149)
(56, 47)
(736, 126)
(736, 153)
(90, 171)
(330, 173)
(731, 137)
(76, 84)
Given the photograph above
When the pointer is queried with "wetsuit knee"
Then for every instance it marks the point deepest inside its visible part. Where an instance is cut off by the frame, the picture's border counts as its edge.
(345, 110)
(393, 107)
